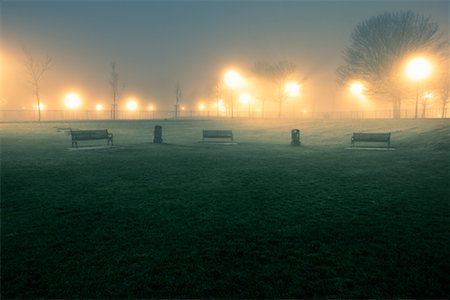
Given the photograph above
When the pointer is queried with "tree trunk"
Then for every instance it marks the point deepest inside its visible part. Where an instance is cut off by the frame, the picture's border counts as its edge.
(38, 105)
(396, 107)
(444, 110)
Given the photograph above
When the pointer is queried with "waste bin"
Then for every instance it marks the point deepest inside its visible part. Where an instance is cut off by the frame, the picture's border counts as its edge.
(157, 135)
(295, 137)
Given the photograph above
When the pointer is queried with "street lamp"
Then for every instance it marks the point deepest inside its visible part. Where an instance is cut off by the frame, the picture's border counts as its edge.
(232, 80)
(72, 100)
(292, 88)
(245, 99)
(357, 88)
(132, 104)
(418, 69)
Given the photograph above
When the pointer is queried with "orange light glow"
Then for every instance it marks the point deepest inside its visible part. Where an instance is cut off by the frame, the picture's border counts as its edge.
(132, 104)
(292, 88)
(244, 98)
(357, 88)
(419, 68)
(72, 100)
(233, 79)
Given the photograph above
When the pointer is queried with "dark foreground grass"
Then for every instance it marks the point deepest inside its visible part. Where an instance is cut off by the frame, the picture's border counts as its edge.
(259, 219)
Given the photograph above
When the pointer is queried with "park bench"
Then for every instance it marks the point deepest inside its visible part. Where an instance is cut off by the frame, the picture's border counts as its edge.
(83, 135)
(372, 137)
(218, 134)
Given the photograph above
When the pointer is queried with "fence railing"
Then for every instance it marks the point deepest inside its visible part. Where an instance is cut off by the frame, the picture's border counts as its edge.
(91, 115)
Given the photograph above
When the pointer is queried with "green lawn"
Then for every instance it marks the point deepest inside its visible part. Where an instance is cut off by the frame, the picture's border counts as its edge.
(258, 219)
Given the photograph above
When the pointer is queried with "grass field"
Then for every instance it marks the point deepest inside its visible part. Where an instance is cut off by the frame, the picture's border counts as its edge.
(258, 219)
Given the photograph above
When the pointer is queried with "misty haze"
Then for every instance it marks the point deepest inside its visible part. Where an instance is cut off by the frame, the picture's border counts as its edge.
(213, 149)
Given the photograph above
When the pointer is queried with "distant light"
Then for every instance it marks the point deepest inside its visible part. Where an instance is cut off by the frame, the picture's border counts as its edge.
(357, 88)
(292, 88)
(99, 107)
(427, 96)
(233, 79)
(132, 105)
(244, 98)
(72, 100)
(201, 106)
(183, 108)
(419, 68)
(151, 107)
(41, 105)
(220, 105)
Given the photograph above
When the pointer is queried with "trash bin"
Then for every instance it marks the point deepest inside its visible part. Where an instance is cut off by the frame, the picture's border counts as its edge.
(157, 135)
(295, 137)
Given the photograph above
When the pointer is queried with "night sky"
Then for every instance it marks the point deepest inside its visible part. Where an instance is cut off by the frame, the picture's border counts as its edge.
(157, 44)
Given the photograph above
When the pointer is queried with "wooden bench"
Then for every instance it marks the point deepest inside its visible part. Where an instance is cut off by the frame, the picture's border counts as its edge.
(372, 137)
(218, 134)
(83, 135)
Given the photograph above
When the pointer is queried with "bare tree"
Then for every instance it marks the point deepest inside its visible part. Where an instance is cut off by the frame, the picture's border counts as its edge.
(443, 83)
(379, 48)
(115, 90)
(218, 95)
(444, 94)
(178, 96)
(278, 73)
(35, 70)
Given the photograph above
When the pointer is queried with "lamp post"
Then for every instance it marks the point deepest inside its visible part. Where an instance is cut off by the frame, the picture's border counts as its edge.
(425, 99)
(232, 80)
(291, 89)
(418, 69)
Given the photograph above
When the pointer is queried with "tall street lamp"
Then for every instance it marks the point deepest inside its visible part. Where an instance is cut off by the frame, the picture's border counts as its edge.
(232, 80)
(418, 69)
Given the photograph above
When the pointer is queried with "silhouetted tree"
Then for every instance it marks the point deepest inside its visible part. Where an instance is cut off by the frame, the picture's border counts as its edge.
(35, 70)
(443, 90)
(218, 95)
(115, 90)
(178, 95)
(277, 73)
(379, 48)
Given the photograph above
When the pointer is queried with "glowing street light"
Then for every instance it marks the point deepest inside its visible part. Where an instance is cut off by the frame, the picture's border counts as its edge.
(232, 80)
(201, 106)
(132, 104)
(244, 98)
(418, 69)
(41, 106)
(292, 88)
(72, 100)
(99, 107)
(357, 88)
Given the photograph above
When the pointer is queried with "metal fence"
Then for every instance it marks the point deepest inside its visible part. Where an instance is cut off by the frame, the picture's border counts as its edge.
(92, 115)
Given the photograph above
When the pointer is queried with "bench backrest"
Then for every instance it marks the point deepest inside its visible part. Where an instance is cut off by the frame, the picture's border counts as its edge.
(89, 134)
(371, 137)
(217, 133)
